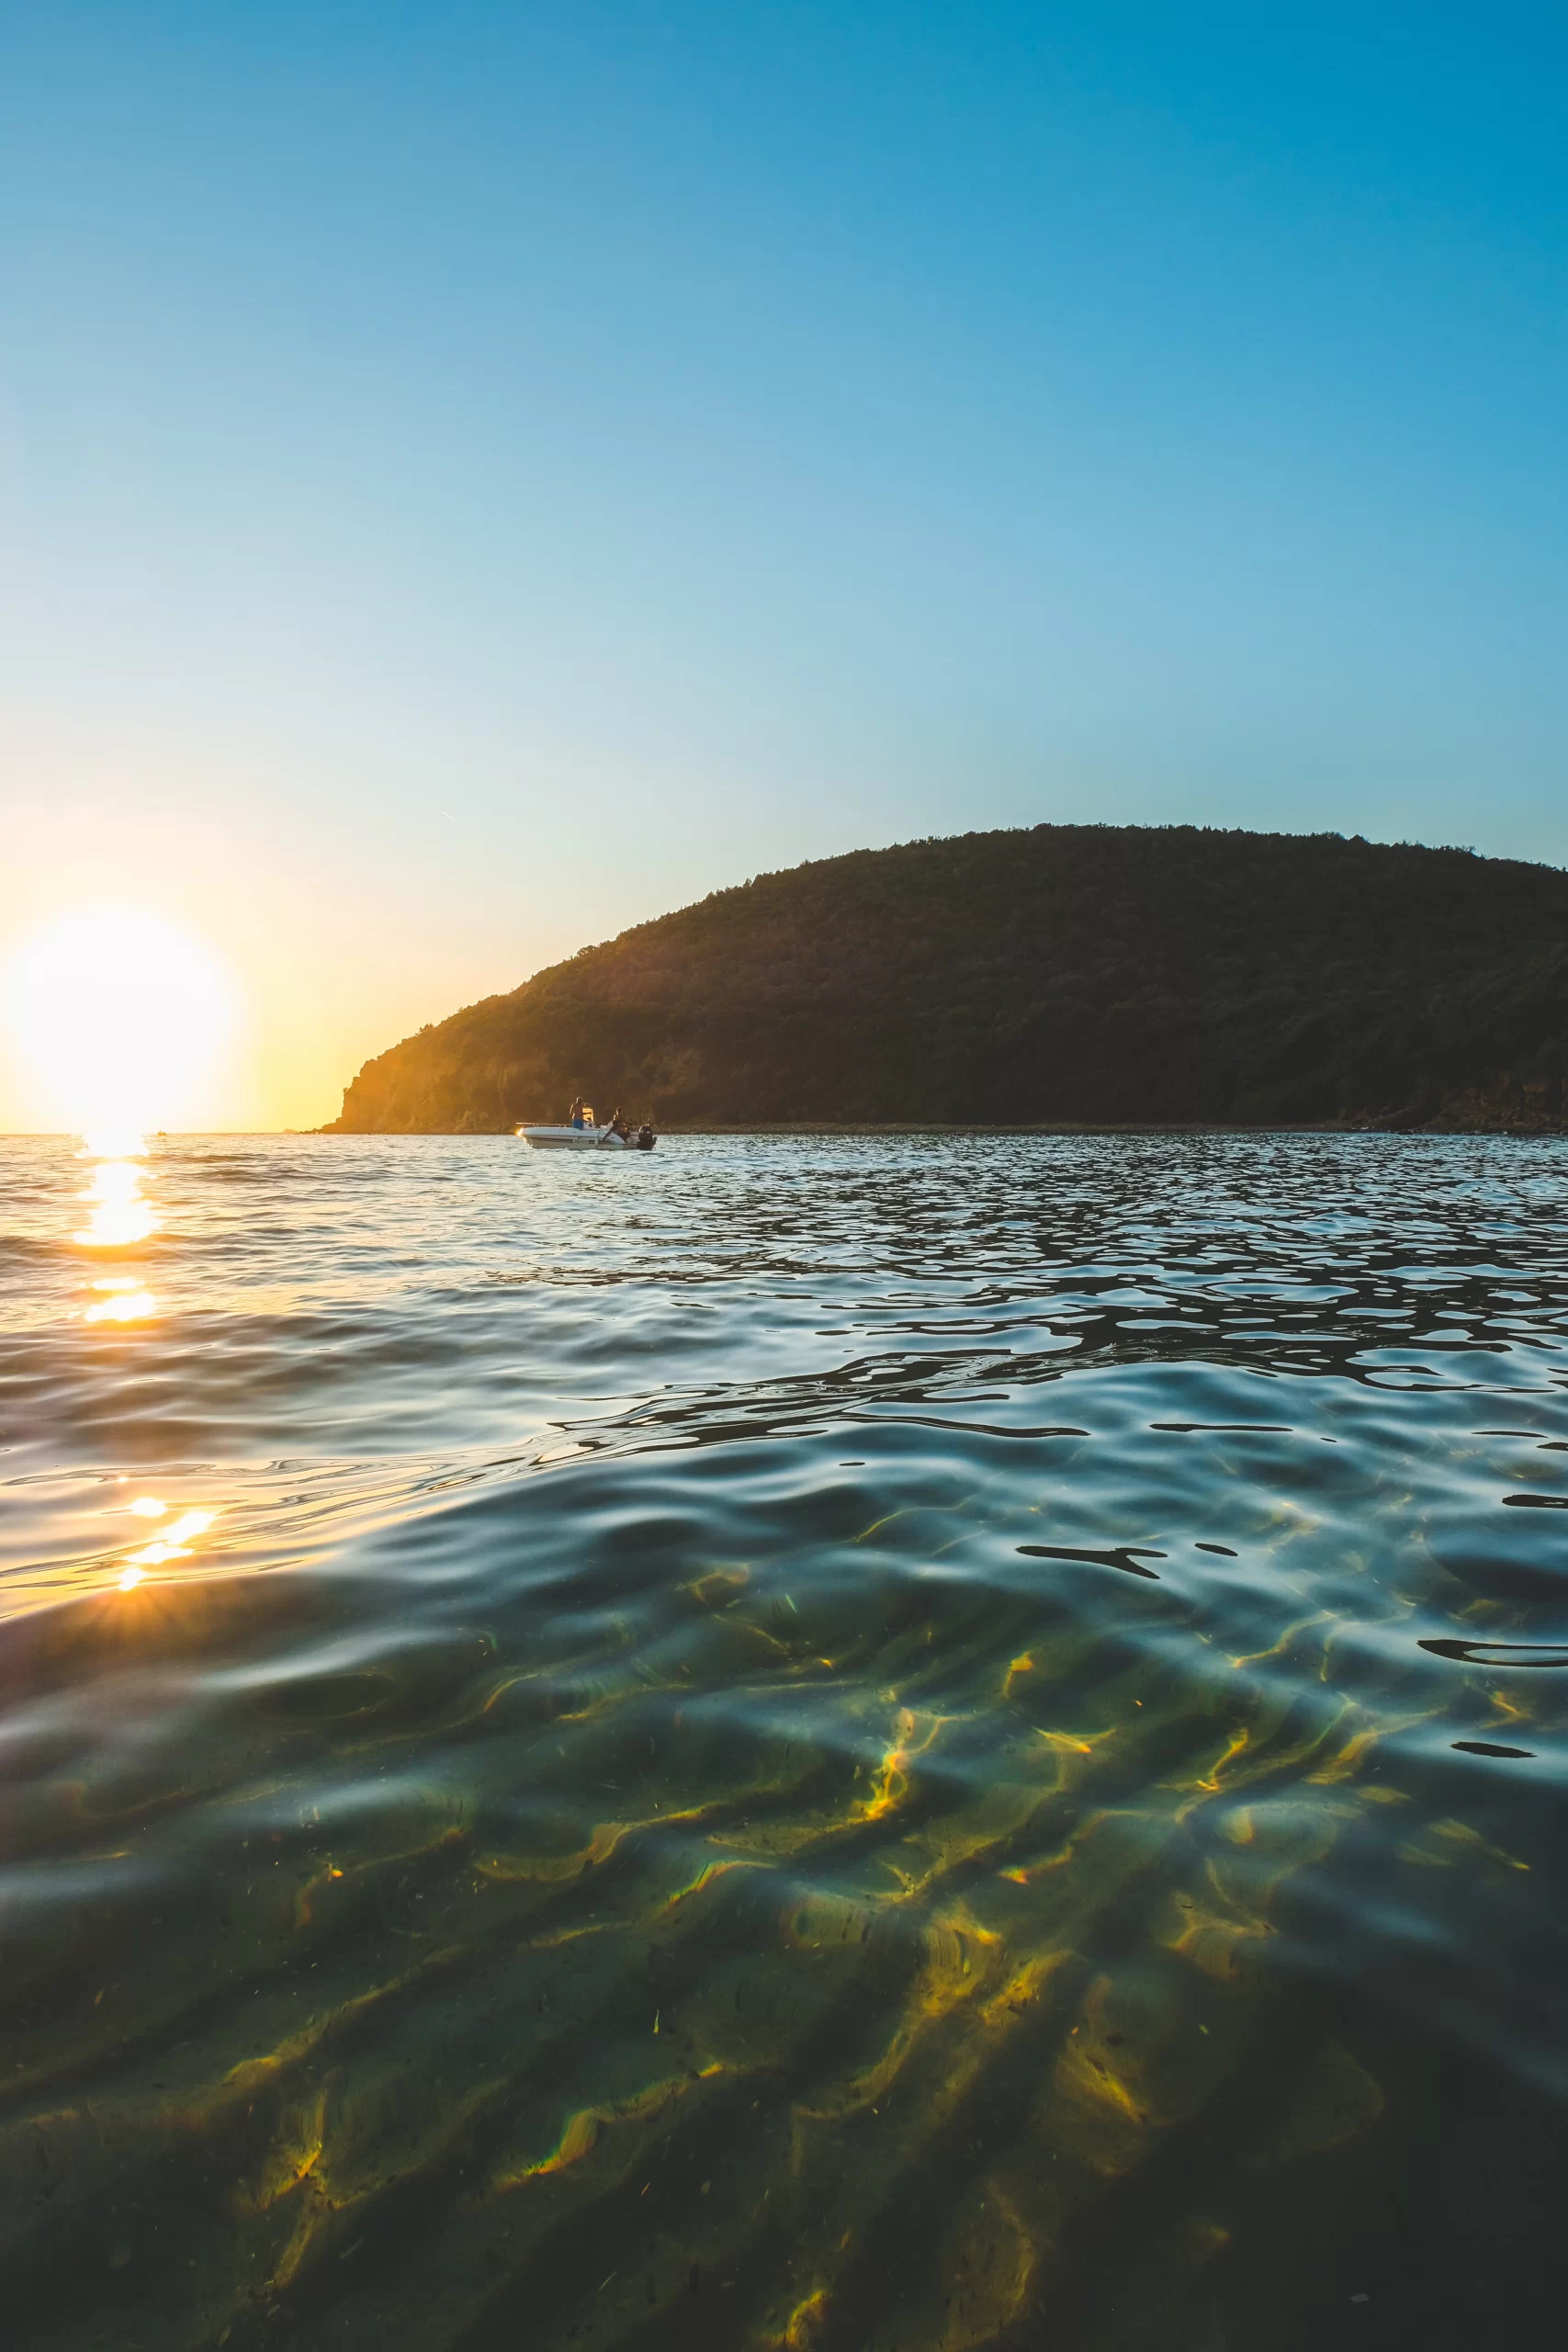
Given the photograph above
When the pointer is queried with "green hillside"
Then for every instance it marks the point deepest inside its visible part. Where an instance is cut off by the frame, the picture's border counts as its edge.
(1073, 973)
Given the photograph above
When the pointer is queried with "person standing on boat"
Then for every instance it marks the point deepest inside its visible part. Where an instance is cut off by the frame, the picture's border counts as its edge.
(575, 1115)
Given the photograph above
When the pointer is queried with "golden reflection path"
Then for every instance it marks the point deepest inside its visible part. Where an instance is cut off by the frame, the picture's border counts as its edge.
(120, 1216)
(118, 1213)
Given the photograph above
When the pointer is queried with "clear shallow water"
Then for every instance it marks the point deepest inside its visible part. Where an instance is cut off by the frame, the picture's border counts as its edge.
(902, 1744)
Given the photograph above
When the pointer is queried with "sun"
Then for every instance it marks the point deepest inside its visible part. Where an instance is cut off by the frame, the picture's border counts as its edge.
(119, 1016)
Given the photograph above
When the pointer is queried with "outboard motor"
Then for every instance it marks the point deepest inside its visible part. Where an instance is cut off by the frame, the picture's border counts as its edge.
(645, 1138)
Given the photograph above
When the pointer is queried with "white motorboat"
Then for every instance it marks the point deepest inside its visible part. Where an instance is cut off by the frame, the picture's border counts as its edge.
(568, 1136)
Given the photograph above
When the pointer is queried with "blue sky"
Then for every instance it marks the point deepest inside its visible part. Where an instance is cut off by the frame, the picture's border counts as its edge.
(477, 476)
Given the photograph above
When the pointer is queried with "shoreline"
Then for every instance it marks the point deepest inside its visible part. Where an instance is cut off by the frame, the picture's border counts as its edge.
(1039, 1127)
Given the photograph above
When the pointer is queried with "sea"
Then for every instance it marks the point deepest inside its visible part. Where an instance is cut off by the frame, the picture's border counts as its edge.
(806, 1744)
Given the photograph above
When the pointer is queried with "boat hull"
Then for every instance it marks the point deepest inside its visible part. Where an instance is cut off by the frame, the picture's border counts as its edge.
(575, 1139)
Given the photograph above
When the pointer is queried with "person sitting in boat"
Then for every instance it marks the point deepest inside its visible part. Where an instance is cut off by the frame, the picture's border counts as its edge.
(617, 1125)
(574, 1116)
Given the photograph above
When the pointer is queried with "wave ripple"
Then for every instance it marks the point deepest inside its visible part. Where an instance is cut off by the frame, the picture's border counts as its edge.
(897, 1744)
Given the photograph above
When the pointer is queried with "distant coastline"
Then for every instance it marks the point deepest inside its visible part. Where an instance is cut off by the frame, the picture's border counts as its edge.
(1065, 979)
(1500, 1128)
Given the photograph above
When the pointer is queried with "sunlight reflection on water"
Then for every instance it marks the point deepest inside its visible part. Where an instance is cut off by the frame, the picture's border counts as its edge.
(123, 1217)
(127, 1301)
(119, 1213)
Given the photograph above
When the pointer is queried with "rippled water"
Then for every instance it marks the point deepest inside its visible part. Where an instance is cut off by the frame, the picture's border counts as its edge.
(891, 1744)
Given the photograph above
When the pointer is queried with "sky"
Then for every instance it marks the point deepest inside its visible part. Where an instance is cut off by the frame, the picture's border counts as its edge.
(474, 477)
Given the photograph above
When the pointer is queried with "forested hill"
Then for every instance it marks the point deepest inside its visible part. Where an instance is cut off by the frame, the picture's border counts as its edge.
(1073, 973)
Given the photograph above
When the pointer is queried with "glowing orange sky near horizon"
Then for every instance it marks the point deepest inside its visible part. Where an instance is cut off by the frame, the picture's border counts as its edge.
(317, 978)
(119, 1021)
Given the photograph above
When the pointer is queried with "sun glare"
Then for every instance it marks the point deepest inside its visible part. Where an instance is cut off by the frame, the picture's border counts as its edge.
(117, 1215)
(119, 1016)
(173, 1545)
(132, 1303)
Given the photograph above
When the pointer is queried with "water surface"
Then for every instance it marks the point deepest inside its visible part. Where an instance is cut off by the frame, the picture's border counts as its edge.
(902, 1744)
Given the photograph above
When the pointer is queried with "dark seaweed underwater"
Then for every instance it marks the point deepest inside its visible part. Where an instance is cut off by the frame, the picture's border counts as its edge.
(885, 1745)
